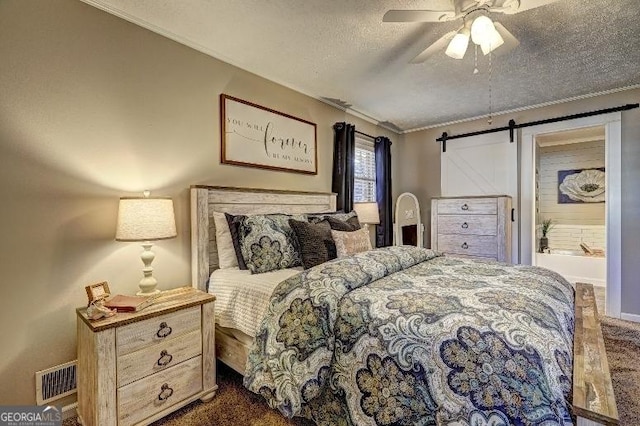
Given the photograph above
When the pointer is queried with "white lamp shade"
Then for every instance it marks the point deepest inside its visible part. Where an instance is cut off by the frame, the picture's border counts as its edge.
(481, 29)
(145, 219)
(458, 45)
(367, 212)
(492, 42)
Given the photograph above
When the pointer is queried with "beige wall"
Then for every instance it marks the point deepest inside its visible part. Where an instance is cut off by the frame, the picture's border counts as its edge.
(418, 170)
(416, 166)
(93, 108)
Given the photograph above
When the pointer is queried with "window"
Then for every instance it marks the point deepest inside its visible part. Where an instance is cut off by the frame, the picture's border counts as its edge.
(364, 184)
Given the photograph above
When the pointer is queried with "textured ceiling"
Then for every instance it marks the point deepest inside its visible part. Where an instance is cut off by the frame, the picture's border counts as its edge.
(341, 50)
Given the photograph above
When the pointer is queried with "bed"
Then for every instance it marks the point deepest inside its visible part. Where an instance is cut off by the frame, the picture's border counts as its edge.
(452, 341)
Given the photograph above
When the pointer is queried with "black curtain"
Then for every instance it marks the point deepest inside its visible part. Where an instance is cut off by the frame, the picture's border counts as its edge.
(344, 145)
(384, 231)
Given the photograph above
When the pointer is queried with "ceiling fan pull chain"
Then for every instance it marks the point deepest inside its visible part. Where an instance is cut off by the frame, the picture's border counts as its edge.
(490, 121)
(475, 59)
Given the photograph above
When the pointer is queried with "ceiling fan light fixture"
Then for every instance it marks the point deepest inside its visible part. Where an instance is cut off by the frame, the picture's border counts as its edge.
(492, 42)
(481, 29)
(458, 45)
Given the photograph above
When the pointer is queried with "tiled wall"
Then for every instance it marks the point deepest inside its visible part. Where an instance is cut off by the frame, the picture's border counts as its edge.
(583, 155)
(569, 237)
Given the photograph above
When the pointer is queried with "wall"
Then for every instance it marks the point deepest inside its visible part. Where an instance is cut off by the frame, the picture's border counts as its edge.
(569, 237)
(93, 108)
(418, 171)
(584, 155)
(417, 168)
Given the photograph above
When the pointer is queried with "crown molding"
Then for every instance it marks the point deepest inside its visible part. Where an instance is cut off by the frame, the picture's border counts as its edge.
(217, 55)
(526, 108)
(351, 111)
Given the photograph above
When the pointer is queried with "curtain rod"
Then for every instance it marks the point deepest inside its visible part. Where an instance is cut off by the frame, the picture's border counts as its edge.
(364, 134)
(512, 124)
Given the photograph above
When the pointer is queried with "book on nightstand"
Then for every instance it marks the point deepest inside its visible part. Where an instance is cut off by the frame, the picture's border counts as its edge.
(122, 303)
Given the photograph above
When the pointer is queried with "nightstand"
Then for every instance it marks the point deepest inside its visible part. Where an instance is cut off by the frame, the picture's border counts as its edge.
(135, 368)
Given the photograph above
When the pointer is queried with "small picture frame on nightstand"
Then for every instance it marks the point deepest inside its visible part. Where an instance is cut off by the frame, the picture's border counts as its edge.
(97, 291)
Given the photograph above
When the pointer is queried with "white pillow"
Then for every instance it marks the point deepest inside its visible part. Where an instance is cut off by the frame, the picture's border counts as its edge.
(351, 242)
(226, 251)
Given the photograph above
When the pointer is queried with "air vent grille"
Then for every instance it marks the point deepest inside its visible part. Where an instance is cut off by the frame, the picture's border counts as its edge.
(56, 382)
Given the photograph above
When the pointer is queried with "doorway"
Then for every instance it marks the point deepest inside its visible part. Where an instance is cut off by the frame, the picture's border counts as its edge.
(570, 206)
(610, 126)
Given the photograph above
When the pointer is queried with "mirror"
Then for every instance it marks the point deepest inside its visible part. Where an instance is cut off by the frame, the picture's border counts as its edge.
(408, 228)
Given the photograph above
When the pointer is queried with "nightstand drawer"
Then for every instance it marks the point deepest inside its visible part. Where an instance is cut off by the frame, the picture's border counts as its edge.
(470, 245)
(135, 336)
(148, 396)
(160, 356)
(466, 225)
(468, 206)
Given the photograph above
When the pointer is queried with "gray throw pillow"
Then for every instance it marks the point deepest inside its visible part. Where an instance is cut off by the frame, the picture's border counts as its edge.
(315, 241)
(350, 225)
(350, 218)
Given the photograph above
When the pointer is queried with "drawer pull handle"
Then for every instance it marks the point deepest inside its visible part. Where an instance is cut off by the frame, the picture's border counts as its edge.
(165, 358)
(164, 330)
(465, 246)
(465, 225)
(465, 206)
(165, 392)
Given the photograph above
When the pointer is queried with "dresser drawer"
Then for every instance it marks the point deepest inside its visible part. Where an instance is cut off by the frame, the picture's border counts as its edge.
(470, 245)
(150, 395)
(468, 224)
(475, 257)
(468, 206)
(163, 355)
(132, 337)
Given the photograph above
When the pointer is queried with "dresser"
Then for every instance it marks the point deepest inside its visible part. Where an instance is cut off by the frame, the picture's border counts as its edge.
(474, 227)
(135, 368)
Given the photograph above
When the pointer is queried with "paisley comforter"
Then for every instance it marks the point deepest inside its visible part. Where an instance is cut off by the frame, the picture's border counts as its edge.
(403, 336)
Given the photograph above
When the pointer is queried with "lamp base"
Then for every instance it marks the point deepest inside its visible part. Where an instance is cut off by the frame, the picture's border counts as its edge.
(148, 282)
(146, 294)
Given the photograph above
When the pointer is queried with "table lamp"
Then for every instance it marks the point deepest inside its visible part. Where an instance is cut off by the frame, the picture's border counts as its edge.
(367, 213)
(146, 219)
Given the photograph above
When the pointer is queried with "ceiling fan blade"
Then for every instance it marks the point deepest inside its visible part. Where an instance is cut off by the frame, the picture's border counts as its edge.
(527, 5)
(437, 46)
(419, 16)
(510, 42)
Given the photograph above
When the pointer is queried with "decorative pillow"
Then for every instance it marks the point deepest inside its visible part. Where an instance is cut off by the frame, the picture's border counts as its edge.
(267, 242)
(350, 225)
(350, 218)
(233, 222)
(351, 242)
(315, 241)
(226, 250)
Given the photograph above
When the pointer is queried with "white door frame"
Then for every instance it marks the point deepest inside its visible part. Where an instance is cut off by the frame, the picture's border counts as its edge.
(613, 210)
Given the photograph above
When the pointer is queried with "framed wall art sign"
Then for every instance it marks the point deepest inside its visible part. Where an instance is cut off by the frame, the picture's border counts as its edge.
(256, 136)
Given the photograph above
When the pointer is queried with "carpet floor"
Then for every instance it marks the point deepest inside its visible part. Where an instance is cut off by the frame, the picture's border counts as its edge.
(236, 406)
(622, 341)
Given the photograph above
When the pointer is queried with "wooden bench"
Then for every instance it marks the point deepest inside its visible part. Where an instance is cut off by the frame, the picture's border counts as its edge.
(593, 400)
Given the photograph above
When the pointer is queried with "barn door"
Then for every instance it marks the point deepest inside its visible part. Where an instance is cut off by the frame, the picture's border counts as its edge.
(483, 165)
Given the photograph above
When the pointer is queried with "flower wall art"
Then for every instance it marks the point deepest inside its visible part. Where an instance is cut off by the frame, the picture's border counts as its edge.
(581, 186)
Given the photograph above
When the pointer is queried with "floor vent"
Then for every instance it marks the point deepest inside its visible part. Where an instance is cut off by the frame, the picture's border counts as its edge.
(56, 382)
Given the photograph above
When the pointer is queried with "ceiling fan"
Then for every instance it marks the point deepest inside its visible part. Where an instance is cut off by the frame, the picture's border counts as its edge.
(477, 25)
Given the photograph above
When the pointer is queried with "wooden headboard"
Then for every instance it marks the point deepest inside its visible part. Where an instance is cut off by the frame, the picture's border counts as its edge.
(207, 199)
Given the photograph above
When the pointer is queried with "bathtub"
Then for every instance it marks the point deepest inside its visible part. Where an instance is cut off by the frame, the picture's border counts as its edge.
(575, 266)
